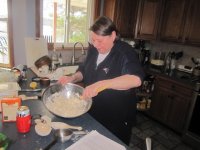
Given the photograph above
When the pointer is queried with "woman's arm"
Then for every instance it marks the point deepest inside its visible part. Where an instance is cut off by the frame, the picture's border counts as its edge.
(123, 82)
(77, 77)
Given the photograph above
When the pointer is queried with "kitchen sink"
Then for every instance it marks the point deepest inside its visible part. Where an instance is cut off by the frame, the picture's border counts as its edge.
(68, 70)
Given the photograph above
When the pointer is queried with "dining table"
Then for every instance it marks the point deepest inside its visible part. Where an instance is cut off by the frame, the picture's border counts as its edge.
(32, 141)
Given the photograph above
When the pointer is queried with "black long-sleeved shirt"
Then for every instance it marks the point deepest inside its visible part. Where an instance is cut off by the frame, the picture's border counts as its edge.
(112, 105)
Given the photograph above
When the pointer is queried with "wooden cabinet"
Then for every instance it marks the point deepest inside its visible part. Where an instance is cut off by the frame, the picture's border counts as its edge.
(167, 20)
(170, 103)
(173, 19)
(181, 22)
(192, 28)
(148, 19)
(123, 13)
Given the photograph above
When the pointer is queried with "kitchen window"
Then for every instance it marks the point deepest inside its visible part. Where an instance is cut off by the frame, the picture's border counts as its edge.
(6, 48)
(65, 22)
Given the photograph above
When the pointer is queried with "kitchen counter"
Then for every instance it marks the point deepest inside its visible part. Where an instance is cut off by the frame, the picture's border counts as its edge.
(186, 79)
(32, 141)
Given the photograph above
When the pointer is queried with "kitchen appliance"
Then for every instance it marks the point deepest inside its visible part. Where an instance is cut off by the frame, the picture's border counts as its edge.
(158, 60)
(184, 68)
(192, 132)
(170, 61)
(144, 56)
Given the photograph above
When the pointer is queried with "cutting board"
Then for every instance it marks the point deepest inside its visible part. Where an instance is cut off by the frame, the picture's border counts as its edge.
(35, 48)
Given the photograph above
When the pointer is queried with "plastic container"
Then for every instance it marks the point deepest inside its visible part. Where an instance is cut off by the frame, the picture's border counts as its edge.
(8, 89)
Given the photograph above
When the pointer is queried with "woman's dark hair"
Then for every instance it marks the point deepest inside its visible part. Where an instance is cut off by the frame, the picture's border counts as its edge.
(104, 26)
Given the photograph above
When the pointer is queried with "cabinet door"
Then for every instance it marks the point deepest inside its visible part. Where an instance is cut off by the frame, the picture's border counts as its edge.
(148, 19)
(170, 103)
(125, 17)
(173, 20)
(179, 108)
(160, 104)
(192, 28)
(109, 8)
(123, 13)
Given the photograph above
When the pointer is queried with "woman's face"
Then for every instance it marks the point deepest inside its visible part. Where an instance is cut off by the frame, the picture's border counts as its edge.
(103, 43)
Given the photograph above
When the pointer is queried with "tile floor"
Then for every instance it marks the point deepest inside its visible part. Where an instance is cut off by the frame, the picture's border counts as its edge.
(162, 137)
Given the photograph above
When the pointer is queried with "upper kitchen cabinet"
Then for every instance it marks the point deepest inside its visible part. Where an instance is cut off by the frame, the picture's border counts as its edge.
(148, 19)
(181, 22)
(173, 20)
(123, 13)
(192, 28)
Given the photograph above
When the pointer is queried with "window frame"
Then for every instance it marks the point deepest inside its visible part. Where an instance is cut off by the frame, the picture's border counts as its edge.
(10, 37)
(38, 25)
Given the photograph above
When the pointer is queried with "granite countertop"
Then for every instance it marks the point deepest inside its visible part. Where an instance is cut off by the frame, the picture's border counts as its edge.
(186, 79)
(31, 140)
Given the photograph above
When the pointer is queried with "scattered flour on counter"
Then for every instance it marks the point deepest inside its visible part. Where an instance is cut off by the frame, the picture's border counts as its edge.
(71, 107)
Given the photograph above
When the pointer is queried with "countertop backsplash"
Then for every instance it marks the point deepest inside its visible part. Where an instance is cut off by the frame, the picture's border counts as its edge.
(188, 51)
(67, 56)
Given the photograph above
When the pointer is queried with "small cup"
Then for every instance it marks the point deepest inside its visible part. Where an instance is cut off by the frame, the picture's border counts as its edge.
(44, 82)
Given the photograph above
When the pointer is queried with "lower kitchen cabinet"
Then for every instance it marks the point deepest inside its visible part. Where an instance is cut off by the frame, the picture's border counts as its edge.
(170, 103)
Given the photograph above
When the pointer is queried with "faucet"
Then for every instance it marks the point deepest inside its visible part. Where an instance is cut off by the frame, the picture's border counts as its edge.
(74, 59)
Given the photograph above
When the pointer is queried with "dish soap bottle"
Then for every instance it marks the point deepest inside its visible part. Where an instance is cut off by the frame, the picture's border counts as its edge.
(60, 59)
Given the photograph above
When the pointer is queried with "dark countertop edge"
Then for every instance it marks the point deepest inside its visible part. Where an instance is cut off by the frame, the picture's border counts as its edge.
(171, 76)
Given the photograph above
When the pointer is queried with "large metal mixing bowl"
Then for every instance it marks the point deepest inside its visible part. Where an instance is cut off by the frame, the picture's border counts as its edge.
(65, 101)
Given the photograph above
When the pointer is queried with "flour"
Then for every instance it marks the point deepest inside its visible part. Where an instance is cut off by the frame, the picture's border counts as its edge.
(73, 106)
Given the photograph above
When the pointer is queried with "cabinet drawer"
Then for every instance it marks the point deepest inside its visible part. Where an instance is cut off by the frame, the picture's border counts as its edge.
(174, 87)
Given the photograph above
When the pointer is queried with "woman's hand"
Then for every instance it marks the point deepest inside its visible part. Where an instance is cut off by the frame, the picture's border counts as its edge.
(65, 79)
(77, 77)
(93, 89)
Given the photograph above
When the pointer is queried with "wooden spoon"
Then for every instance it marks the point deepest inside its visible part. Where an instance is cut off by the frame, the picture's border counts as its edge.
(98, 90)
(62, 125)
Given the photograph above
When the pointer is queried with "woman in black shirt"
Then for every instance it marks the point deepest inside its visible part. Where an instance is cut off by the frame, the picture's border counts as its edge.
(110, 73)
